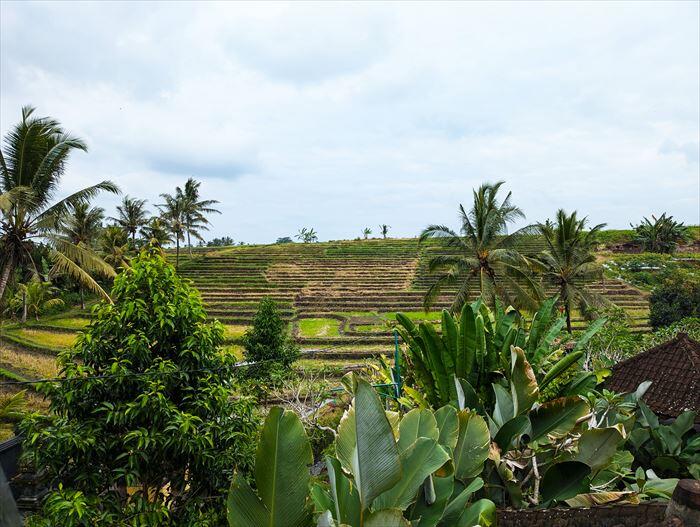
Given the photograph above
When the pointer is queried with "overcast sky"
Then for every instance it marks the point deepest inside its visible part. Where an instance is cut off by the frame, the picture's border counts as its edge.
(340, 116)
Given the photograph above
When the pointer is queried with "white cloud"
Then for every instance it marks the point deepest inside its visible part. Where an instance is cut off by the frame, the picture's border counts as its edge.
(339, 116)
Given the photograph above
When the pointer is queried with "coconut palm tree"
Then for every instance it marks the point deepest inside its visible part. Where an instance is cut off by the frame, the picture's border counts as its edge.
(195, 211)
(35, 157)
(366, 232)
(131, 216)
(114, 246)
(173, 213)
(82, 225)
(568, 261)
(35, 297)
(384, 230)
(156, 232)
(483, 254)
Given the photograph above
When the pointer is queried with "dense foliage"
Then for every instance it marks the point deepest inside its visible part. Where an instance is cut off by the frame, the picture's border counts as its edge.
(660, 235)
(674, 300)
(268, 342)
(142, 424)
(647, 270)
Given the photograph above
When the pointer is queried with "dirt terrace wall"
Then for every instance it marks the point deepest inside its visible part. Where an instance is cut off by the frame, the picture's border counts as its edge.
(643, 515)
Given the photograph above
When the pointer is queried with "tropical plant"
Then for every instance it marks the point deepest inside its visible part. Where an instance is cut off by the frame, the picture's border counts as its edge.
(114, 246)
(31, 166)
(12, 406)
(568, 262)
(421, 470)
(307, 235)
(224, 241)
(173, 215)
(475, 347)
(483, 256)
(196, 210)
(672, 450)
(662, 235)
(131, 216)
(34, 298)
(366, 232)
(384, 230)
(82, 225)
(267, 342)
(156, 233)
(284, 239)
(147, 377)
(675, 299)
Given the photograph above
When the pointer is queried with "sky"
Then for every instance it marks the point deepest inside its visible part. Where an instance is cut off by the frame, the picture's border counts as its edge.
(340, 116)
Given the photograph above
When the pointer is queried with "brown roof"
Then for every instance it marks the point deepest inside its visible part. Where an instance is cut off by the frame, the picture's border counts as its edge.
(674, 369)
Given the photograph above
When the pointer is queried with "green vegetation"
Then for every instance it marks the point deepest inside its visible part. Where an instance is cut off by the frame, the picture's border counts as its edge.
(147, 376)
(674, 300)
(662, 235)
(486, 256)
(568, 262)
(319, 327)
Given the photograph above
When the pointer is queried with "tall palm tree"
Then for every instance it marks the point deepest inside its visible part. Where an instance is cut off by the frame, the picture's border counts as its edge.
(483, 254)
(156, 232)
(195, 210)
(82, 225)
(384, 230)
(114, 246)
(131, 216)
(173, 212)
(35, 157)
(569, 262)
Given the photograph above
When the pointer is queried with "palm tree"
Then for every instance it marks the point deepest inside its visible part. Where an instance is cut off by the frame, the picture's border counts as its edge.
(568, 261)
(172, 213)
(195, 211)
(82, 225)
(114, 246)
(155, 232)
(35, 158)
(131, 216)
(366, 232)
(35, 297)
(384, 230)
(483, 254)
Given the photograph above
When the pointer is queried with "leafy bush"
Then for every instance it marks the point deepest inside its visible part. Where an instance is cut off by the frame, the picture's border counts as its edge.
(662, 235)
(268, 342)
(648, 270)
(674, 300)
(142, 428)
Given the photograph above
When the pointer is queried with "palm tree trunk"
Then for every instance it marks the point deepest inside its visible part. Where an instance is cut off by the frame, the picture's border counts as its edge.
(24, 306)
(189, 242)
(82, 298)
(5, 277)
(567, 310)
(177, 251)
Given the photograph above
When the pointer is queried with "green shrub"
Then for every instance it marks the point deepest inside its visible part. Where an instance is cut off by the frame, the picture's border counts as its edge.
(268, 342)
(145, 405)
(674, 300)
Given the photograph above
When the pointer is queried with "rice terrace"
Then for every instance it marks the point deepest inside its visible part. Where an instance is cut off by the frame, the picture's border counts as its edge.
(349, 264)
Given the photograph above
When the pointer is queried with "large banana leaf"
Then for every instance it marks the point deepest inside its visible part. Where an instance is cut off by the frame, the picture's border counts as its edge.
(281, 476)
(427, 513)
(417, 423)
(564, 480)
(365, 445)
(448, 425)
(481, 512)
(597, 446)
(557, 417)
(560, 367)
(472, 447)
(540, 324)
(466, 357)
(456, 507)
(439, 361)
(344, 497)
(419, 461)
(523, 384)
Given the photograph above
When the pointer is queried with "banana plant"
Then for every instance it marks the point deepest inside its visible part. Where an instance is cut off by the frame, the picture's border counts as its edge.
(420, 471)
(475, 346)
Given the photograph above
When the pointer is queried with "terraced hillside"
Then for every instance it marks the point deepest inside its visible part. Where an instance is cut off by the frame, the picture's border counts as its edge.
(341, 296)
